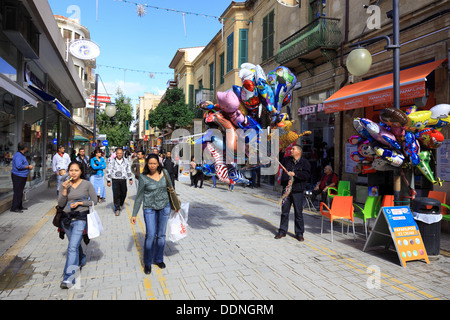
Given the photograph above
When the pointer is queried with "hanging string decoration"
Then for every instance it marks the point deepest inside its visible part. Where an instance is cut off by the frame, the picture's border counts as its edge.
(182, 12)
(140, 9)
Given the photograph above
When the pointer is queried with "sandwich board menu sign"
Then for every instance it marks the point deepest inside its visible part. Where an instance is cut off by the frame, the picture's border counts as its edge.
(396, 224)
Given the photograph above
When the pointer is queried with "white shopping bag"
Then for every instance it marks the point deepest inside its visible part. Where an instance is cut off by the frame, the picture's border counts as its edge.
(94, 225)
(177, 224)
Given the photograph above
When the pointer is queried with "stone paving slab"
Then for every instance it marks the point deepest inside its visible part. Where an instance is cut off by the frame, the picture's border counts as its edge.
(229, 254)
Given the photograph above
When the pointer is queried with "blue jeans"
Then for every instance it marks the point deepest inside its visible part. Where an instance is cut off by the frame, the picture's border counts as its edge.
(155, 234)
(75, 255)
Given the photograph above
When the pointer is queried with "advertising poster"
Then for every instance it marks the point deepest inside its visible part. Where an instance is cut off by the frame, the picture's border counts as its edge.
(443, 160)
(398, 224)
(183, 171)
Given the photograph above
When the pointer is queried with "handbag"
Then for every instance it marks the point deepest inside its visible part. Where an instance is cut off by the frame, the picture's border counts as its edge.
(57, 218)
(94, 225)
(173, 199)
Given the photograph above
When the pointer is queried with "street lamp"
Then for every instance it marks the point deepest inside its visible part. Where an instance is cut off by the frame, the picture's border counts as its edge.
(110, 110)
(359, 63)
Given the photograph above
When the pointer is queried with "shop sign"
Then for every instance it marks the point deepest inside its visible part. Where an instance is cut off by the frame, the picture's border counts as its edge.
(105, 99)
(310, 109)
(84, 49)
(31, 78)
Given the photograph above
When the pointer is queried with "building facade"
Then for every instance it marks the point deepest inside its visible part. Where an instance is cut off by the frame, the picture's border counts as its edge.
(146, 136)
(313, 41)
(39, 90)
(72, 30)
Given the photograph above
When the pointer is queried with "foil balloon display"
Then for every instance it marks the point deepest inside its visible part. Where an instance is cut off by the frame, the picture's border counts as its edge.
(395, 119)
(412, 148)
(418, 120)
(365, 153)
(430, 138)
(207, 169)
(236, 176)
(440, 116)
(266, 94)
(393, 157)
(424, 167)
(282, 81)
(379, 134)
(229, 104)
(219, 165)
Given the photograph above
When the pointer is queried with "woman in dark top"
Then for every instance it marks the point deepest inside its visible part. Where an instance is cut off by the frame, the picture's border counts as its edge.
(152, 193)
(75, 196)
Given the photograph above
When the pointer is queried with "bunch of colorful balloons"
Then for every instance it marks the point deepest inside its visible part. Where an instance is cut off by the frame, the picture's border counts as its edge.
(400, 139)
(242, 107)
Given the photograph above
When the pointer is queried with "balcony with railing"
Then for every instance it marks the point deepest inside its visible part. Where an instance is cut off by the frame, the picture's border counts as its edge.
(313, 43)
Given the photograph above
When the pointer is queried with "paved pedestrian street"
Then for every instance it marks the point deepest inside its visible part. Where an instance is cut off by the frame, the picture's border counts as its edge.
(229, 254)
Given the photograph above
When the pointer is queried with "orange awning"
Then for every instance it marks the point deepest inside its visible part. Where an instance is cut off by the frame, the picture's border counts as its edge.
(380, 90)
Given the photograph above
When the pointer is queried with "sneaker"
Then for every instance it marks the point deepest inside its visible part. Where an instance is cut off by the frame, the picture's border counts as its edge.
(65, 285)
(117, 212)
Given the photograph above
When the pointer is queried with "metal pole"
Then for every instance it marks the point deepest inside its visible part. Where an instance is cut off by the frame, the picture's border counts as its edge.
(396, 48)
(396, 84)
(95, 110)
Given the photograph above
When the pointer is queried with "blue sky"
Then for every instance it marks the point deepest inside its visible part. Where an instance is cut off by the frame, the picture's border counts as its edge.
(145, 43)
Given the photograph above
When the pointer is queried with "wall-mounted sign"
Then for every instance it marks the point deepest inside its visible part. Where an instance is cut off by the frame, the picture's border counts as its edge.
(311, 109)
(106, 99)
(84, 49)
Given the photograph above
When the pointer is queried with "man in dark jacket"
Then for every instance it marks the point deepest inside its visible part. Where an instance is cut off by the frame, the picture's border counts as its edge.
(171, 167)
(300, 169)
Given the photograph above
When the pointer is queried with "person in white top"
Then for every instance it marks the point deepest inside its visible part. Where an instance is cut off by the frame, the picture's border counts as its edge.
(60, 164)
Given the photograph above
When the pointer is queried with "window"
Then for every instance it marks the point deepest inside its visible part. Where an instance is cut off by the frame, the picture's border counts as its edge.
(222, 68)
(268, 36)
(67, 34)
(211, 76)
(230, 46)
(191, 94)
(243, 46)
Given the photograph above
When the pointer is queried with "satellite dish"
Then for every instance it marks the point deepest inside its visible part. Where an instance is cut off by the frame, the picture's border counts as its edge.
(289, 3)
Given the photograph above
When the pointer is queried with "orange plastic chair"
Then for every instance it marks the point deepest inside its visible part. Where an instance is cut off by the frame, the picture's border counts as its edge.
(441, 196)
(388, 201)
(341, 208)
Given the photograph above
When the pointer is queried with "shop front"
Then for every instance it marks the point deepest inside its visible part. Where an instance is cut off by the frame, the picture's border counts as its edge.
(418, 89)
(318, 147)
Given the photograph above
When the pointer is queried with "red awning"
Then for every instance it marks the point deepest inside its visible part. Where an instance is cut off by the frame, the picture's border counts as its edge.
(380, 90)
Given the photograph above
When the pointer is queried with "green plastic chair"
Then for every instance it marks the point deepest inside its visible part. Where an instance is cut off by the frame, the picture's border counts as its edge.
(342, 190)
(371, 209)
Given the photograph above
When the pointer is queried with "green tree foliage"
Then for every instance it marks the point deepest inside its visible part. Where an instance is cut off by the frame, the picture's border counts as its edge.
(172, 112)
(117, 128)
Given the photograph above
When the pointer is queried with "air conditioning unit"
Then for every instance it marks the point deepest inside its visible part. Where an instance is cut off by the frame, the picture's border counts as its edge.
(20, 30)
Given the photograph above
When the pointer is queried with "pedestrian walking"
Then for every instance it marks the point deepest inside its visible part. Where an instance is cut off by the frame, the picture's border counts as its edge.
(98, 164)
(193, 170)
(75, 196)
(117, 173)
(60, 163)
(137, 166)
(153, 196)
(170, 167)
(84, 160)
(19, 173)
(300, 170)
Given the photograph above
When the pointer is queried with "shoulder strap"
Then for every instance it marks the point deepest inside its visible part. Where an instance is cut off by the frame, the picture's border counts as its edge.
(167, 179)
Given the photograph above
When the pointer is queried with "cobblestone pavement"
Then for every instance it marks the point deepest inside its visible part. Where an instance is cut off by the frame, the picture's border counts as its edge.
(229, 254)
